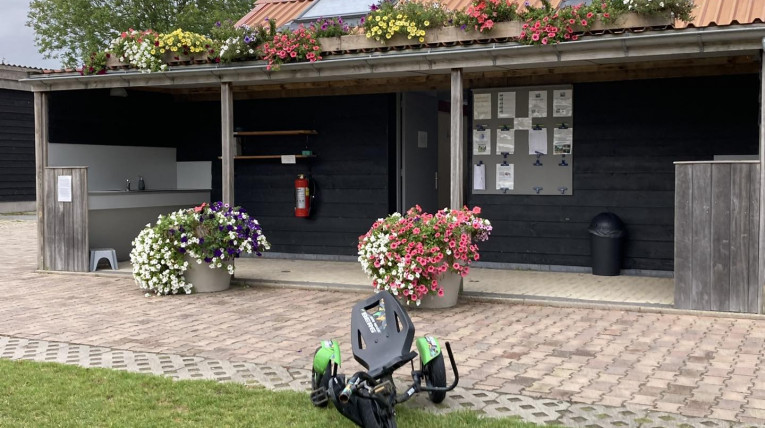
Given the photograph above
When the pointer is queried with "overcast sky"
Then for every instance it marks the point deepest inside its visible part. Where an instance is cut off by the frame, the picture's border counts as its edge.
(17, 41)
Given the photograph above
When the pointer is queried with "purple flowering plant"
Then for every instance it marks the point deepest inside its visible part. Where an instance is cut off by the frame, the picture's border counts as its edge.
(329, 27)
(208, 234)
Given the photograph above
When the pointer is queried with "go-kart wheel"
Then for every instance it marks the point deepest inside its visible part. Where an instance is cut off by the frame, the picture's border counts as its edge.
(435, 375)
(317, 382)
(371, 416)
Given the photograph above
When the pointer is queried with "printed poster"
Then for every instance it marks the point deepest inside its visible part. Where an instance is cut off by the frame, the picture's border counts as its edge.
(479, 177)
(506, 104)
(538, 103)
(505, 141)
(563, 140)
(481, 142)
(538, 141)
(522, 123)
(562, 103)
(64, 188)
(505, 176)
(481, 106)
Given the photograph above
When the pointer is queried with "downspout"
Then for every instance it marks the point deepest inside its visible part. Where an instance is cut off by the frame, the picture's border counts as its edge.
(761, 247)
(456, 143)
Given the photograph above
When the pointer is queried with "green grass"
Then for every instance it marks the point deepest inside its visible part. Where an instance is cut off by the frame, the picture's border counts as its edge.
(49, 394)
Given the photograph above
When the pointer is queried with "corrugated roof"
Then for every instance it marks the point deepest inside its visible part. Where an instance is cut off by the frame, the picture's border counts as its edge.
(707, 12)
(283, 11)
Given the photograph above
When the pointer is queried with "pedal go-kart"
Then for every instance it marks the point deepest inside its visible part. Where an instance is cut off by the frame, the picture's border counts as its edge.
(381, 339)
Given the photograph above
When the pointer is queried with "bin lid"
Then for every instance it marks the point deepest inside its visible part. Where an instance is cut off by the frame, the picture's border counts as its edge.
(607, 225)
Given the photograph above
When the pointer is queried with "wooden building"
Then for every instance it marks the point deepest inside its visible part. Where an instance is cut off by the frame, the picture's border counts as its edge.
(381, 122)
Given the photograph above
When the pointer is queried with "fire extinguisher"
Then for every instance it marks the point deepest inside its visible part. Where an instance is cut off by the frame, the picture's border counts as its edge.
(302, 197)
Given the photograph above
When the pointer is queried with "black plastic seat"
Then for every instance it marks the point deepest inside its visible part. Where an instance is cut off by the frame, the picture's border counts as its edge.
(381, 334)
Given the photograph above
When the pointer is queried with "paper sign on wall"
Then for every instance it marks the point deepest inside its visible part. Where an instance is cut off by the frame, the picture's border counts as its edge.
(522, 123)
(538, 103)
(506, 104)
(64, 187)
(288, 158)
(538, 141)
(479, 177)
(481, 142)
(563, 140)
(505, 176)
(505, 141)
(562, 103)
(482, 106)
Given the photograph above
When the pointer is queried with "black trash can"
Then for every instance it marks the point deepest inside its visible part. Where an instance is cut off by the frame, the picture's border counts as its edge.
(607, 238)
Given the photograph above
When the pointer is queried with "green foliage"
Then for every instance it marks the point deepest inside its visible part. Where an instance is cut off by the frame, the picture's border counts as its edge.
(95, 64)
(240, 43)
(71, 29)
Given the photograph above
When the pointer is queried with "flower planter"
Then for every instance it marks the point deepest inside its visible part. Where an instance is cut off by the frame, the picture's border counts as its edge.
(634, 20)
(175, 58)
(452, 285)
(439, 36)
(113, 63)
(206, 280)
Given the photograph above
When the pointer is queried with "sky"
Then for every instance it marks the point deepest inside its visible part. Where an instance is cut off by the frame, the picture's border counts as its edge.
(17, 44)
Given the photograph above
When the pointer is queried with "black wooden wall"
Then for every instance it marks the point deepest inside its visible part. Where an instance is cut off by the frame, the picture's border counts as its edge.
(17, 146)
(351, 169)
(626, 138)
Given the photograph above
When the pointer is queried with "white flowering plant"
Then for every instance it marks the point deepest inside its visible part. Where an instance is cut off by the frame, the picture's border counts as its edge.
(680, 9)
(208, 234)
(406, 254)
(139, 49)
(240, 43)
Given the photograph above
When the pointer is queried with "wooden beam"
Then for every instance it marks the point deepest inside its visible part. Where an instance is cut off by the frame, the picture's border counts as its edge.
(228, 147)
(456, 144)
(761, 270)
(41, 161)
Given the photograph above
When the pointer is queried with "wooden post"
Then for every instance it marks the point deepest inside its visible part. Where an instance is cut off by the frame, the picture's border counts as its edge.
(456, 146)
(761, 273)
(228, 148)
(41, 161)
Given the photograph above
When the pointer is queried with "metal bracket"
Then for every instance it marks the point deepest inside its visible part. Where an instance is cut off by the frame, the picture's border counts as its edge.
(538, 189)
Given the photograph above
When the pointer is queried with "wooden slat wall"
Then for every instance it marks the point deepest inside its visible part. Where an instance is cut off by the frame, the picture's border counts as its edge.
(717, 236)
(66, 246)
(17, 146)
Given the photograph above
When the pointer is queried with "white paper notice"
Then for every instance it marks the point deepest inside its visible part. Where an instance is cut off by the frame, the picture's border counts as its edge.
(538, 141)
(522, 123)
(562, 103)
(64, 186)
(482, 142)
(506, 104)
(505, 141)
(482, 106)
(479, 177)
(505, 177)
(288, 158)
(563, 141)
(538, 103)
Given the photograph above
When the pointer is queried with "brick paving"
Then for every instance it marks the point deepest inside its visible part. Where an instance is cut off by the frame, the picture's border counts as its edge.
(580, 367)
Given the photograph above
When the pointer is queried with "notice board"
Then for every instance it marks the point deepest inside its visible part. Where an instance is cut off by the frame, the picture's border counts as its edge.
(522, 141)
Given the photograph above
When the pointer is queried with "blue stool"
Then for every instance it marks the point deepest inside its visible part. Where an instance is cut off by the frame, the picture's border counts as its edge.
(96, 254)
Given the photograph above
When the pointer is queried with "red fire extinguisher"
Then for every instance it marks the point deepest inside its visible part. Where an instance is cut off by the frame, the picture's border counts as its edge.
(302, 197)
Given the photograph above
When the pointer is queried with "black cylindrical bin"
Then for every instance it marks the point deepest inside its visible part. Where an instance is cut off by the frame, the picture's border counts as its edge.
(607, 238)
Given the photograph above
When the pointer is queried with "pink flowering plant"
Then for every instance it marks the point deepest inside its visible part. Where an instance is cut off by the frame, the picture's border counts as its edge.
(481, 15)
(291, 46)
(548, 25)
(407, 254)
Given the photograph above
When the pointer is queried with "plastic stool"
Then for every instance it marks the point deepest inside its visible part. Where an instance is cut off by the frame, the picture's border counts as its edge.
(96, 254)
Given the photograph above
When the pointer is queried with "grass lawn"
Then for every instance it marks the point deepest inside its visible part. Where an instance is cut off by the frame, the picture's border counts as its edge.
(49, 394)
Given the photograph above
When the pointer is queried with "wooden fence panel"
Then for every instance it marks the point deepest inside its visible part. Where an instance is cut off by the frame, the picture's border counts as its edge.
(717, 236)
(66, 223)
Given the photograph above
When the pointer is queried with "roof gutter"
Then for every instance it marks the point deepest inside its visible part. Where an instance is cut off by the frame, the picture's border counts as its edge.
(627, 47)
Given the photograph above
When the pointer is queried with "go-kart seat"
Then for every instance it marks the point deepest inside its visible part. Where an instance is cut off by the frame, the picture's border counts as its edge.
(381, 334)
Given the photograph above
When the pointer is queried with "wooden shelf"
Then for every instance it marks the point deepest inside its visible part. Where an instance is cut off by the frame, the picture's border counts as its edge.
(265, 133)
(271, 157)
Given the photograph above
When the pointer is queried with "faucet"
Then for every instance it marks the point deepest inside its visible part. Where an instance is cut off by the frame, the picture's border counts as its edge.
(127, 185)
